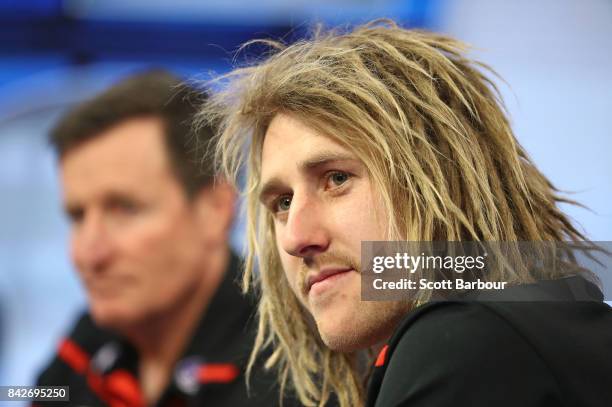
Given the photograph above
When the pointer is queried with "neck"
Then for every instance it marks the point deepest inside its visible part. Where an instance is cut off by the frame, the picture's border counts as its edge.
(161, 340)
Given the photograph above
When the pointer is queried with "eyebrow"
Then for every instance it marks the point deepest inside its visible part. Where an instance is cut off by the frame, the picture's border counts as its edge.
(324, 158)
(321, 159)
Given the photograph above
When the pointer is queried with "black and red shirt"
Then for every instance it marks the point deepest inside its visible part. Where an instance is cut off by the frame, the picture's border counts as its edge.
(537, 345)
(101, 368)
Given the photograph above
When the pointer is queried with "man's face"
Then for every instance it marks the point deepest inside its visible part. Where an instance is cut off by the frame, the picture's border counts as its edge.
(136, 240)
(323, 206)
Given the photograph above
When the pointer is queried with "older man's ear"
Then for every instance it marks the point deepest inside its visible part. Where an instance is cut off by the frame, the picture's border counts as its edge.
(214, 208)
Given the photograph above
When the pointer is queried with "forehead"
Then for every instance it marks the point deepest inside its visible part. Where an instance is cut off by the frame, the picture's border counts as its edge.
(127, 156)
(288, 143)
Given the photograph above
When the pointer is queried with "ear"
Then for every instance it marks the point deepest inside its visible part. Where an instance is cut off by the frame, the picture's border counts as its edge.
(214, 207)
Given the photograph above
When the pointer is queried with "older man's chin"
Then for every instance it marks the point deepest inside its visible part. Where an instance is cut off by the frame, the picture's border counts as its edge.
(114, 316)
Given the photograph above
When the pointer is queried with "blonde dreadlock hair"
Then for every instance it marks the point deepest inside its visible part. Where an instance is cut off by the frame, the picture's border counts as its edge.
(431, 130)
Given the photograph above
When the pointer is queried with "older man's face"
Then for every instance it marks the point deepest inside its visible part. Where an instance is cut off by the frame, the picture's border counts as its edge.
(137, 241)
(324, 205)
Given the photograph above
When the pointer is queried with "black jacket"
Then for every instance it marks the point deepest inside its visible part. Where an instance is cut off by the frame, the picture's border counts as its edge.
(553, 351)
(101, 368)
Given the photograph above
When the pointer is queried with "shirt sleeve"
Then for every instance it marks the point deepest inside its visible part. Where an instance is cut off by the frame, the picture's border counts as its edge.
(465, 355)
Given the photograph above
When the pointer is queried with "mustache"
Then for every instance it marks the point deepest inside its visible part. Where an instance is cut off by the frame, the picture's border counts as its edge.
(335, 257)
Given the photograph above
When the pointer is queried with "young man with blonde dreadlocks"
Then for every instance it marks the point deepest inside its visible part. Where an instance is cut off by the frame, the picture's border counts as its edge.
(383, 133)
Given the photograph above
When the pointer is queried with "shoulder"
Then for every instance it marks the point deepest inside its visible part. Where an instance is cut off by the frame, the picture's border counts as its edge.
(74, 351)
(454, 334)
(447, 350)
(444, 328)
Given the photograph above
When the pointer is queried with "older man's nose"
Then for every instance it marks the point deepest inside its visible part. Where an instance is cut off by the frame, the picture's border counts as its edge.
(91, 245)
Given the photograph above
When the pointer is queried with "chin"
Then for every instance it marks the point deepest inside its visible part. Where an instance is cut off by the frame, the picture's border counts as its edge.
(343, 334)
(355, 339)
(363, 326)
(112, 316)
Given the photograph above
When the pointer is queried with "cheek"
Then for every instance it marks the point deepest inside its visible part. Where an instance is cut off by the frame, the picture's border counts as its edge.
(293, 271)
(146, 237)
(361, 219)
(158, 237)
(162, 258)
(290, 266)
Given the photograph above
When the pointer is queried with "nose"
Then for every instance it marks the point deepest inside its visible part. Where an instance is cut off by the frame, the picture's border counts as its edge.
(91, 246)
(305, 233)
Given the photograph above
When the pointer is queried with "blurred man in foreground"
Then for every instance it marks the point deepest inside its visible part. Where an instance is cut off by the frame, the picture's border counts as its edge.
(167, 325)
(383, 133)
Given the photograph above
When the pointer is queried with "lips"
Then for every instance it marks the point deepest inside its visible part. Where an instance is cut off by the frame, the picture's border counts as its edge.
(322, 275)
(106, 285)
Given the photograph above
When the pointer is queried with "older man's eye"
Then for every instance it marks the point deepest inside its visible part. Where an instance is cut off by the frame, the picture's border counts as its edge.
(337, 178)
(282, 204)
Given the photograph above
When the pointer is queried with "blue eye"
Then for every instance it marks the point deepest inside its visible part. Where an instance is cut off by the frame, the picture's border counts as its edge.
(338, 178)
(282, 204)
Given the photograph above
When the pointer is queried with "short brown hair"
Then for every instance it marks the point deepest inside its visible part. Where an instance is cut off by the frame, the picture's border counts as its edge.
(156, 93)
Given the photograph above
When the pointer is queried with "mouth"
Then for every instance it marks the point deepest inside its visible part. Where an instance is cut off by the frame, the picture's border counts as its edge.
(104, 286)
(103, 289)
(324, 275)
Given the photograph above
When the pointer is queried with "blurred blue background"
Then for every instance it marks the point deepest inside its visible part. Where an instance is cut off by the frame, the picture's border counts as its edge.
(556, 56)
